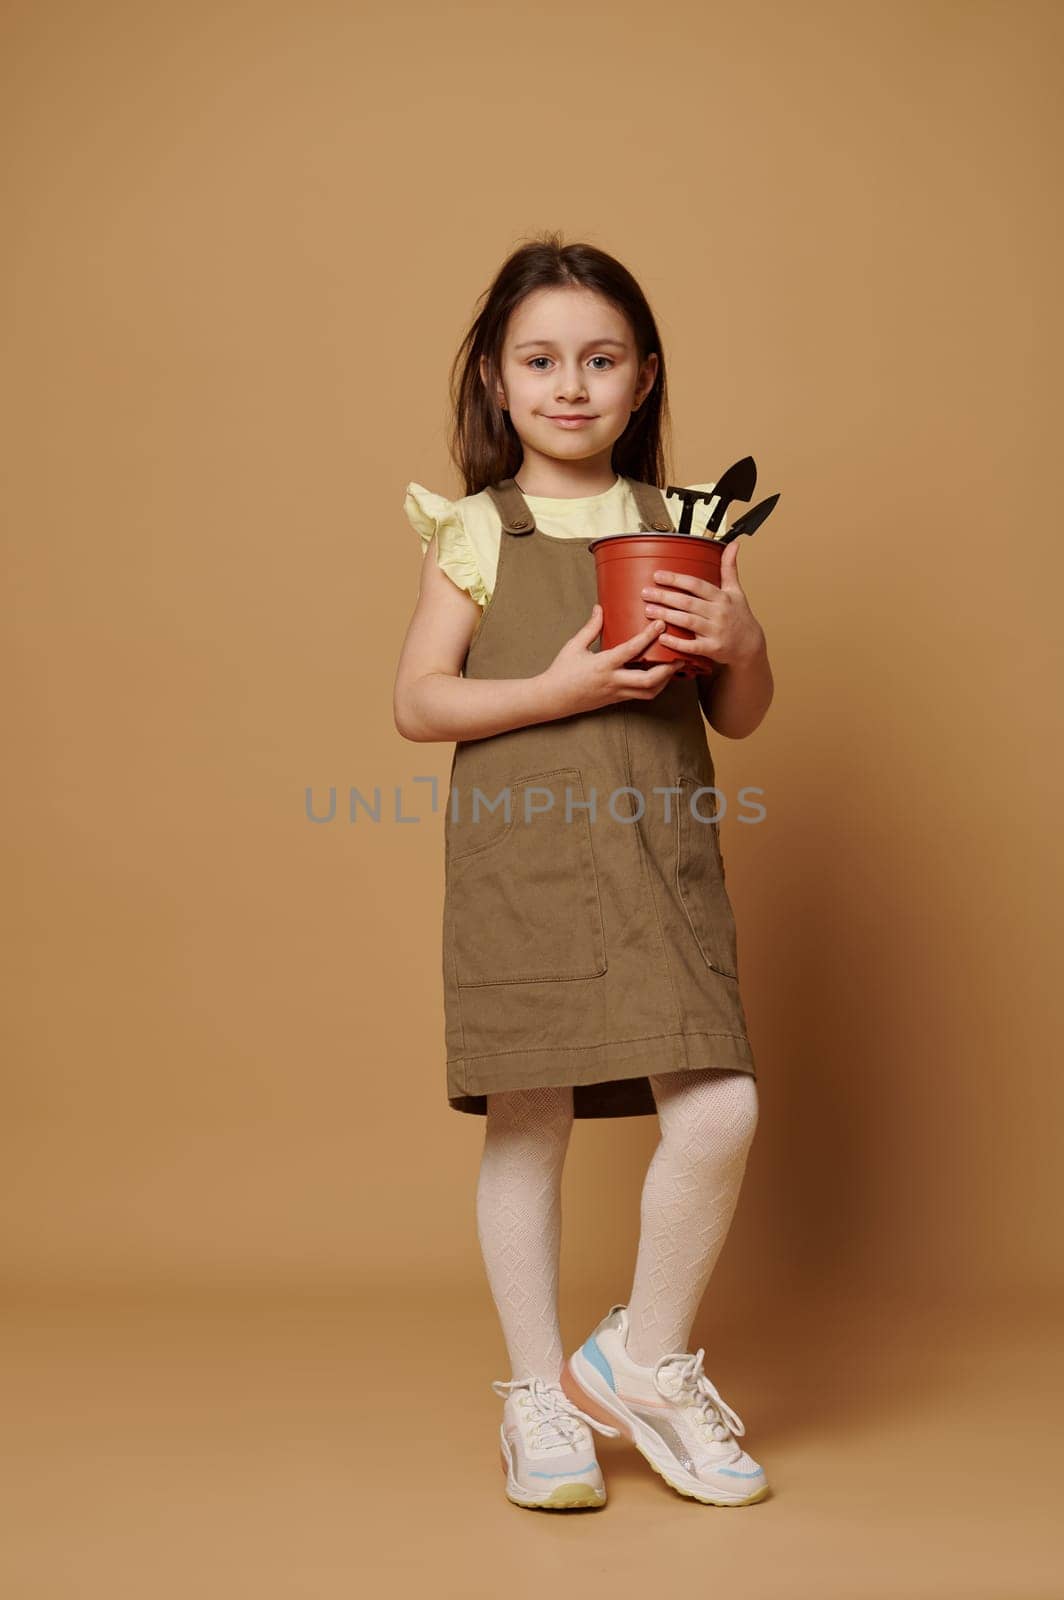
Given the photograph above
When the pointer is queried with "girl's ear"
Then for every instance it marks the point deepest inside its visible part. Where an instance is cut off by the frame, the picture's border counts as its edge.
(647, 375)
(499, 396)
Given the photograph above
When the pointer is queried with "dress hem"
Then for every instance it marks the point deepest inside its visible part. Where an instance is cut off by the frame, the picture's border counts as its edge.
(607, 1080)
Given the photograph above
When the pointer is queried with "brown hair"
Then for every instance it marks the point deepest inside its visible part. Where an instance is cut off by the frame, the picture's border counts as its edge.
(483, 441)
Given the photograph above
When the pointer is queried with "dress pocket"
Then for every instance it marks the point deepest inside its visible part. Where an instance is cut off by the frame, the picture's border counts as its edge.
(700, 878)
(522, 904)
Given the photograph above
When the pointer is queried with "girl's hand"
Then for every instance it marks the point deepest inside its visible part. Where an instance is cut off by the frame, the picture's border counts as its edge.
(582, 679)
(720, 619)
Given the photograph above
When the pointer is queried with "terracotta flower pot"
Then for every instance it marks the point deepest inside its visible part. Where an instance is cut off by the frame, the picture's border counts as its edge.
(625, 564)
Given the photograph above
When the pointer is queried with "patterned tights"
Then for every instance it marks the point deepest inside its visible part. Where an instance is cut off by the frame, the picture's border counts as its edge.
(707, 1121)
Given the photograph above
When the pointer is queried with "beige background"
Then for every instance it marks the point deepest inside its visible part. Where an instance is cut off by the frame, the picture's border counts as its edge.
(248, 1328)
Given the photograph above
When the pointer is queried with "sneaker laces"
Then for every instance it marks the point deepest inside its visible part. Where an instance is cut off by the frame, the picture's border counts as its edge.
(557, 1419)
(687, 1382)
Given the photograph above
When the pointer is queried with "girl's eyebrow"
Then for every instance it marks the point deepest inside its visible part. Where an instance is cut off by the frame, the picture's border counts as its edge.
(527, 343)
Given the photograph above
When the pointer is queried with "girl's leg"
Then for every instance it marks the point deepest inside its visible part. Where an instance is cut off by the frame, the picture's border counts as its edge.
(689, 1196)
(518, 1207)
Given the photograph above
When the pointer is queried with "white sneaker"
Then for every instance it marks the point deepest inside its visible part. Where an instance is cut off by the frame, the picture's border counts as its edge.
(671, 1412)
(548, 1453)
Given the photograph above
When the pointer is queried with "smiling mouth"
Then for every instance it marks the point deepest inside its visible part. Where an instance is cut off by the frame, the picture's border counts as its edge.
(568, 419)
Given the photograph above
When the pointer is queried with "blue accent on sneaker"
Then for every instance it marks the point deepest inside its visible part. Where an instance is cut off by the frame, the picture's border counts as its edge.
(572, 1473)
(733, 1472)
(594, 1354)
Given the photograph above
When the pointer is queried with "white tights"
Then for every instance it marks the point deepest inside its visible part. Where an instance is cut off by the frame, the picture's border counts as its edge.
(707, 1121)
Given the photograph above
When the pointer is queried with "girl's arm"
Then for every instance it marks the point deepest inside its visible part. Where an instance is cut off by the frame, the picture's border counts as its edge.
(737, 696)
(432, 701)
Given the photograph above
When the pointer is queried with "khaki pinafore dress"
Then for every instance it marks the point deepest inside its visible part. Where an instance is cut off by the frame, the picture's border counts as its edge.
(588, 937)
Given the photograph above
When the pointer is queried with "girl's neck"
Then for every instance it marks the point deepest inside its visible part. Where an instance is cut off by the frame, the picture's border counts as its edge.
(543, 478)
(584, 494)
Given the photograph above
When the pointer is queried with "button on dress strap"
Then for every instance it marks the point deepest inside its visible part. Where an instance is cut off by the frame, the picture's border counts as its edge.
(653, 512)
(512, 507)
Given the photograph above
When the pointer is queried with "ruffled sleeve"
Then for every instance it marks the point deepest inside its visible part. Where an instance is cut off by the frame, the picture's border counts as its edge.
(431, 514)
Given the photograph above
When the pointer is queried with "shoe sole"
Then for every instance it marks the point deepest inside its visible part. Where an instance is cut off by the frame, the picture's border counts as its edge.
(586, 1388)
(565, 1497)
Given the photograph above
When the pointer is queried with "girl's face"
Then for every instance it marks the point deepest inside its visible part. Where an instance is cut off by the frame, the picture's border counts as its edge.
(570, 354)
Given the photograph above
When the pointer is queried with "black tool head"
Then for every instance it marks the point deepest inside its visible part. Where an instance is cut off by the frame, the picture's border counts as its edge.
(751, 520)
(737, 483)
(690, 498)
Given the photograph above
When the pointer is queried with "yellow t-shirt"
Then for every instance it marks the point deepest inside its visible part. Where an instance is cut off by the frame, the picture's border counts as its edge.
(468, 531)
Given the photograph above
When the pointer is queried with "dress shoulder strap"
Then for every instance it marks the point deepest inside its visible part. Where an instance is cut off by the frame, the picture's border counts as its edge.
(653, 512)
(516, 515)
(513, 508)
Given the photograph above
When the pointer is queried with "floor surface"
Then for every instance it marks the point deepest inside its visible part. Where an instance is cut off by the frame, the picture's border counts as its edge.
(319, 1446)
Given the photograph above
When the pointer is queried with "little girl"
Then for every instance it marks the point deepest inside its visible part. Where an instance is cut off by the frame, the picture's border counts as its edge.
(589, 949)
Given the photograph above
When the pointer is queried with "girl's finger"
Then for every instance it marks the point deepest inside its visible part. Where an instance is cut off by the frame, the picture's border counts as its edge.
(644, 676)
(631, 647)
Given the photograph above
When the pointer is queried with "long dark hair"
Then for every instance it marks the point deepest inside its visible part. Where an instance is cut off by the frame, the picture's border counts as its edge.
(483, 442)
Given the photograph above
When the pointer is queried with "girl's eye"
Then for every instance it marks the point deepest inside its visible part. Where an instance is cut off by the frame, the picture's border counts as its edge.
(608, 360)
